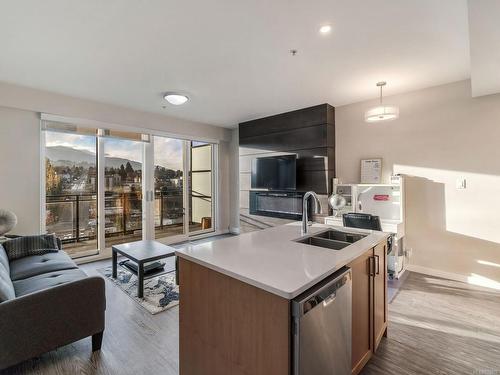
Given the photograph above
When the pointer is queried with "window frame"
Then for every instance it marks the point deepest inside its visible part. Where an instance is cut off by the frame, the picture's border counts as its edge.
(101, 249)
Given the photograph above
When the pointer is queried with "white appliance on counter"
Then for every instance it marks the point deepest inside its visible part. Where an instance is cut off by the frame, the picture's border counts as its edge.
(387, 201)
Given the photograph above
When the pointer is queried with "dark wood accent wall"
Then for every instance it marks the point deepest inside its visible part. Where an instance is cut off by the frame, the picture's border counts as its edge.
(308, 132)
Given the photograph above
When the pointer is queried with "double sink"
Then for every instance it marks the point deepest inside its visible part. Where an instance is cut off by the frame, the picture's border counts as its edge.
(332, 239)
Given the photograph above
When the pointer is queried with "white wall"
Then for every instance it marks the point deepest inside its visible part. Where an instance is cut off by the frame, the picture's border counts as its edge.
(442, 135)
(19, 97)
(20, 109)
(20, 167)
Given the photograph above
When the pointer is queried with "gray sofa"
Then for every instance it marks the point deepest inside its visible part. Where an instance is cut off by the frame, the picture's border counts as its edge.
(46, 302)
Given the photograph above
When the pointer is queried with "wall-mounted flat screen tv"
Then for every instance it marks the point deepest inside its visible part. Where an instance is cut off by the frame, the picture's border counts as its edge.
(274, 173)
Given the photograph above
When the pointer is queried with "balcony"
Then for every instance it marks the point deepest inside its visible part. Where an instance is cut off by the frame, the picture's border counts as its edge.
(73, 218)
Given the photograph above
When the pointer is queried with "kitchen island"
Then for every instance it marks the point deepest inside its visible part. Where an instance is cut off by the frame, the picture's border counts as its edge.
(236, 293)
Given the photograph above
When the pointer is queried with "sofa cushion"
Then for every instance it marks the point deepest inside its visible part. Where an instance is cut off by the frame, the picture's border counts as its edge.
(47, 280)
(4, 260)
(6, 287)
(30, 245)
(38, 264)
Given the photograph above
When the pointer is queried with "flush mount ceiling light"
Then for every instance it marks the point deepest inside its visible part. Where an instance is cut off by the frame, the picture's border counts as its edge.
(175, 98)
(382, 112)
(325, 29)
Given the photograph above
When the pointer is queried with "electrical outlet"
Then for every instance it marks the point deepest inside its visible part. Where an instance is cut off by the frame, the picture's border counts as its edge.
(461, 183)
(408, 252)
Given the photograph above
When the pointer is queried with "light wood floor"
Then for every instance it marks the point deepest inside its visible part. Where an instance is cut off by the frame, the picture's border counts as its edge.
(436, 326)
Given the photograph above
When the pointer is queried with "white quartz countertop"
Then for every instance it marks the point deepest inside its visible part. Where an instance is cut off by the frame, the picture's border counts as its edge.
(271, 260)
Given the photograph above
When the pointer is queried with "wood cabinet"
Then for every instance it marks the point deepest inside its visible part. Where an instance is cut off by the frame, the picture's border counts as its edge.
(229, 327)
(369, 304)
(379, 294)
(362, 342)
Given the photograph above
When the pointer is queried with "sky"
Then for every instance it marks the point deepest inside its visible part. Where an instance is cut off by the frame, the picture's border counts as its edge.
(168, 151)
(79, 142)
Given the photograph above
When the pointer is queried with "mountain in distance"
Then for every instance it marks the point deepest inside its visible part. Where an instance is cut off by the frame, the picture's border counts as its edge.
(117, 162)
(62, 156)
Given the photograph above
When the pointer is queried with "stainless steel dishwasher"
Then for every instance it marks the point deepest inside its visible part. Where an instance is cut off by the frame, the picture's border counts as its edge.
(321, 327)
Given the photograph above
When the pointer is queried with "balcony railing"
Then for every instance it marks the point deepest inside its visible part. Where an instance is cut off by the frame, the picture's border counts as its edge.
(73, 217)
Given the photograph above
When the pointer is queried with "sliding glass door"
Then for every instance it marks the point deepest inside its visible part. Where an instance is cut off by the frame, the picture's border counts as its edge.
(71, 191)
(169, 210)
(123, 191)
(183, 207)
(201, 187)
(104, 187)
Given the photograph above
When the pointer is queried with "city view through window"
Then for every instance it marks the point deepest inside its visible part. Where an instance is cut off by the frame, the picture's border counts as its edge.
(71, 189)
(169, 186)
(123, 190)
(71, 176)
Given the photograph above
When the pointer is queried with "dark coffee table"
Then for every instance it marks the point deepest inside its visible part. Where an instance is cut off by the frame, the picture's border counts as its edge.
(141, 252)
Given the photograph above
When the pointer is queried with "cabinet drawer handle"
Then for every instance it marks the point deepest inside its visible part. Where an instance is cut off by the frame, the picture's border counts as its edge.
(378, 264)
(372, 266)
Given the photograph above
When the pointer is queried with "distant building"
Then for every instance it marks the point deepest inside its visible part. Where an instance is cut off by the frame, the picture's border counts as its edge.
(113, 180)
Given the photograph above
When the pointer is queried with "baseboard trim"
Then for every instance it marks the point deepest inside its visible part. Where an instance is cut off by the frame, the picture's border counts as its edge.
(437, 273)
(209, 234)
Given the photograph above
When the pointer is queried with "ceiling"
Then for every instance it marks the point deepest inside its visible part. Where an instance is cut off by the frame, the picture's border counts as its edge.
(232, 56)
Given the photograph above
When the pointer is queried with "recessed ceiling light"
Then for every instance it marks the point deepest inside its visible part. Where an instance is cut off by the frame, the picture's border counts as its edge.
(175, 98)
(325, 29)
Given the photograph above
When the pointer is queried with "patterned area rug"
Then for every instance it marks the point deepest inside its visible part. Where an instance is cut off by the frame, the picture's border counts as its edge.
(160, 292)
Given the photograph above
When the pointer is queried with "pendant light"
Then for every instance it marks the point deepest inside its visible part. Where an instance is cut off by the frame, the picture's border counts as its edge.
(382, 112)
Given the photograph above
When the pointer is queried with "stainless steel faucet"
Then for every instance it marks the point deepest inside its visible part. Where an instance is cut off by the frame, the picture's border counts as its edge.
(317, 209)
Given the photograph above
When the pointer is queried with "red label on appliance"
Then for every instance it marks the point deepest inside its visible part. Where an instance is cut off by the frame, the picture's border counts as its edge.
(381, 197)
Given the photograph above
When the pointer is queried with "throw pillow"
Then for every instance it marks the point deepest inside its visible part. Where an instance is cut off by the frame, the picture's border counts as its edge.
(6, 287)
(4, 259)
(31, 245)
